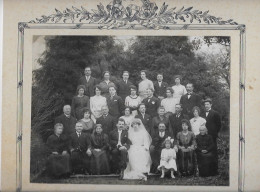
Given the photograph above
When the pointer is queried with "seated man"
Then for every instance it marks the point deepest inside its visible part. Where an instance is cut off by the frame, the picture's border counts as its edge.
(80, 149)
(157, 146)
(119, 143)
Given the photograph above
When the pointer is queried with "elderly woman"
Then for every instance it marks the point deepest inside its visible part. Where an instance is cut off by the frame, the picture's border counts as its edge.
(161, 118)
(133, 100)
(87, 122)
(197, 121)
(104, 85)
(169, 102)
(186, 144)
(207, 161)
(96, 103)
(58, 163)
(128, 117)
(179, 90)
(80, 102)
(100, 147)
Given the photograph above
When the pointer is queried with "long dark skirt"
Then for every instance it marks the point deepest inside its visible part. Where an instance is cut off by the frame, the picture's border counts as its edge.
(207, 164)
(58, 165)
(186, 163)
(99, 163)
(80, 162)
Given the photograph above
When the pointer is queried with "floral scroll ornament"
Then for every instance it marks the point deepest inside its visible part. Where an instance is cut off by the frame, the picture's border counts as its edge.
(116, 15)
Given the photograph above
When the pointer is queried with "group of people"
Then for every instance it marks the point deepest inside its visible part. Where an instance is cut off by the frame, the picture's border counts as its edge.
(115, 127)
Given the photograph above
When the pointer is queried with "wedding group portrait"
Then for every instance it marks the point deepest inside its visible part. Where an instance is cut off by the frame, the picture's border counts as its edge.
(148, 110)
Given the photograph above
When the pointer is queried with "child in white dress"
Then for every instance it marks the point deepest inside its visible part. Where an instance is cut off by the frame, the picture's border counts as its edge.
(168, 158)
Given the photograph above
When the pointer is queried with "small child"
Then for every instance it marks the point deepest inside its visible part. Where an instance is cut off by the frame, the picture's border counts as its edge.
(168, 158)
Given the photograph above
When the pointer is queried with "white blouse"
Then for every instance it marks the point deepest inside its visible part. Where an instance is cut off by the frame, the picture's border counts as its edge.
(179, 90)
(96, 103)
(196, 123)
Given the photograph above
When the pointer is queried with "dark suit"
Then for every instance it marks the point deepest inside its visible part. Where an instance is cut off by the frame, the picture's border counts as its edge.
(108, 123)
(79, 159)
(189, 103)
(152, 105)
(68, 123)
(155, 152)
(115, 106)
(157, 120)
(147, 121)
(123, 89)
(176, 123)
(160, 90)
(89, 85)
(119, 157)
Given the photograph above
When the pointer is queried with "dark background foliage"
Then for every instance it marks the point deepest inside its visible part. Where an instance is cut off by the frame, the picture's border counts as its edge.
(64, 60)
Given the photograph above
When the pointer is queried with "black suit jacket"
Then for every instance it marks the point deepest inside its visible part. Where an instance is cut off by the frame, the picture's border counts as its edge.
(160, 91)
(176, 123)
(82, 143)
(188, 104)
(115, 106)
(157, 141)
(213, 123)
(123, 89)
(113, 138)
(89, 86)
(147, 121)
(68, 123)
(152, 105)
(108, 123)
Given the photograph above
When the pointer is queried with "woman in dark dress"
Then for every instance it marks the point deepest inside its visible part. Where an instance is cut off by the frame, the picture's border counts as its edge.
(207, 161)
(58, 163)
(161, 118)
(100, 146)
(87, 122)
(186, 144)
(79, 103)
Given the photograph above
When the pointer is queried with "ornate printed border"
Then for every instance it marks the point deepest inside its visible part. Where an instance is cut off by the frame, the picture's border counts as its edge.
(132, 17)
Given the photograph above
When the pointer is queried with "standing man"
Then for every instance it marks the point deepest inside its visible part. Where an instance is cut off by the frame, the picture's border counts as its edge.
(107, 121)
(67, 120)
(144, 85)
(152, 103)
(160, 87)
(190, 100)
(175, 120)
(119, 143)
(115, 103)
(89, 82)
(145, 118)
(123, 86)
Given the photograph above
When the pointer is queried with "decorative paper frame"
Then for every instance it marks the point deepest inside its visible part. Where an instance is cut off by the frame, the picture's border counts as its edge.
(133, 17)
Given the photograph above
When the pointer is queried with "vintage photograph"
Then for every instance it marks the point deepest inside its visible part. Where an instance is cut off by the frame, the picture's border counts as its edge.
(129, 110)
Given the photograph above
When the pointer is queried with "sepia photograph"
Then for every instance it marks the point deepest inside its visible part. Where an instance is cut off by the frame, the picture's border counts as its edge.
(130, 110)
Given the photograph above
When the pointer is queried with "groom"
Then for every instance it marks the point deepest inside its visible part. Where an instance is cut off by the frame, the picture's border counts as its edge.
(119, 143)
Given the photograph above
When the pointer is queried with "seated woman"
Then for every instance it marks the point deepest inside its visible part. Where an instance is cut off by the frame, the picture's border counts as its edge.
(186, 144)
(133, 101)
(205, 158)
(197, 121)
(161, 118)
(58, 163)
(87, 122)
(96, 103)
(100, 146)
(128, 117)
(139, 157)
(80, 102)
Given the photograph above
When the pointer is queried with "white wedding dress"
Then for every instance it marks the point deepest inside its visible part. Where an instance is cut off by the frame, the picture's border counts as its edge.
(138, 153)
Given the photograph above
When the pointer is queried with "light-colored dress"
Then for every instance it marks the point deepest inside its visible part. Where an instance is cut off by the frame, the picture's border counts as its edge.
(169, 104)
(179, 90)
(143, 86)
(96, 103)
(196, 123)
(168, 159)
(133, 103)
(128, 120)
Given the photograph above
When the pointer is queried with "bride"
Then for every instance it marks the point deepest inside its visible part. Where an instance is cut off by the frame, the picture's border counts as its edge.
(138, 153)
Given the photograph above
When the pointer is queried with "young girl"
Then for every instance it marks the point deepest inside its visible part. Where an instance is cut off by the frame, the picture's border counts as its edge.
(168, 157)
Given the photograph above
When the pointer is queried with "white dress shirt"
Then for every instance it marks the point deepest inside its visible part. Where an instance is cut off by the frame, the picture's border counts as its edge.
(119, 138)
